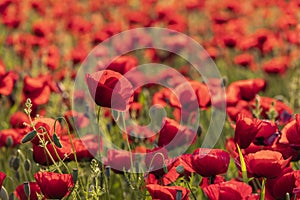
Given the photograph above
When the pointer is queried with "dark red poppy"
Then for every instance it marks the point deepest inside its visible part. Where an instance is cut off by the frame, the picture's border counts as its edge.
(245, 130)
(232, 189)
(265, 163)
(54, 185)
(167, 192)
(285, 183)
(2, 177)
(34, 190)
(210, 162)
(110, 89)
(172, 134)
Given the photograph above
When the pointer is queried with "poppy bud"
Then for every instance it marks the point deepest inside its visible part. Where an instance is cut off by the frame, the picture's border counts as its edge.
(180, 169)
(27, 165)
(75, 175)
(27, 189)
(178, 194)
(107, 171)
(15, 163)
(56, 141)
(9, 141)
(29, 136)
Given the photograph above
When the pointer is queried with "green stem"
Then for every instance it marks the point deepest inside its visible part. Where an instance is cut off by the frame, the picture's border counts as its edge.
(263, 189)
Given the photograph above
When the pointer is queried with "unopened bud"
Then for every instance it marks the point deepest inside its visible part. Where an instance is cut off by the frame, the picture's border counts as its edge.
(180, 169)
(16, 163)
(27, 189)
(27, 165)
(107, 171)
(9, 141)
(178, 194)
(75, 175)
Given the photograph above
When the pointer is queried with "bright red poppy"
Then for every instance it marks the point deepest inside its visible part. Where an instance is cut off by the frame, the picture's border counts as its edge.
(232, 190)
(266, 163)
(167, 192)
(34, 190)
(54, 185)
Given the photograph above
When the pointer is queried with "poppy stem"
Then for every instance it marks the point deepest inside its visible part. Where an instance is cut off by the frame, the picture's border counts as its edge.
(188, 185)
(263, 189)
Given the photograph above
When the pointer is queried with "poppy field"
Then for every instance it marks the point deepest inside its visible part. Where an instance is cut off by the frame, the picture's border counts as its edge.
(169, 100)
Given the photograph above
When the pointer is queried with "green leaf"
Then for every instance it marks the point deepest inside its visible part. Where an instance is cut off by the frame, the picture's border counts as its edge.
(243, 165)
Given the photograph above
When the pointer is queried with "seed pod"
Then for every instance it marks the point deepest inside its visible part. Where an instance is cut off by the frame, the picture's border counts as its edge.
(29, 136)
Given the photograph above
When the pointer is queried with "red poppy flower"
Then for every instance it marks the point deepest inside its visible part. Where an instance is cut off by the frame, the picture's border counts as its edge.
(277, 65)
(2, 177)
(210, 162)
(172, 134)
(265, 163)
(15, 135)
(285, 183)
(54, 185)
(162, 97)
(37, 89)
(245, 130)
(34, 190)
(245, 60)
(242, 107)
(184, 162)
(122, 64)
(110, 89)
(284, 111)
(18, 119)
(290, 133)
(232, 190)
(167, 192)
(200, 90)
(244, 90)
(7, 80)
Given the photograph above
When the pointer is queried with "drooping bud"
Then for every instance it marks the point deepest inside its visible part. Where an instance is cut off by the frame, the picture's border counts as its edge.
(75, 175)
(29, 136)
(56, 141)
